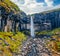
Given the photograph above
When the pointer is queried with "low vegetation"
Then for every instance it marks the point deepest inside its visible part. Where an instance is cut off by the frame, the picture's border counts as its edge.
(10, 6)
(53, 42)
(52, 32)
(11, 43)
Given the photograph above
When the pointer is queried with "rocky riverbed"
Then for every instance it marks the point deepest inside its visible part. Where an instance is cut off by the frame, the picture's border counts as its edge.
(35, 47)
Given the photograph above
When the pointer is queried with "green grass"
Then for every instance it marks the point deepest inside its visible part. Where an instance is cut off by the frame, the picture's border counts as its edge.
(10, 5)
(58, 44)
(11, 42)
(52, 32)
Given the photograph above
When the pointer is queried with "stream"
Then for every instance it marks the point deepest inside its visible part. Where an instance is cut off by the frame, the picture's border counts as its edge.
(35, 47)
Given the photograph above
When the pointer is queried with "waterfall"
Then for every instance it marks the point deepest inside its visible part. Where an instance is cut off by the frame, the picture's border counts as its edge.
(32, 27)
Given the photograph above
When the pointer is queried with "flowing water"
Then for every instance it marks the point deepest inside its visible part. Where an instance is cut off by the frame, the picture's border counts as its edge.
(35, 47)
(32, 27)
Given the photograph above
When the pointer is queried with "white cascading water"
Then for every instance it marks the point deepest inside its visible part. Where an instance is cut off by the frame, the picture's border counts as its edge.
(32, 27)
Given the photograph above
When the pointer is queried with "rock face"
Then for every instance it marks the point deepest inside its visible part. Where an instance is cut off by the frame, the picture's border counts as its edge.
(43, 21)
(10, 16)
(9, 11)
(48, 20)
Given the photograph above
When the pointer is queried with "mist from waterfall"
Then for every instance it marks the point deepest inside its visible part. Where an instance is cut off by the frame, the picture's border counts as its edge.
(32, 27)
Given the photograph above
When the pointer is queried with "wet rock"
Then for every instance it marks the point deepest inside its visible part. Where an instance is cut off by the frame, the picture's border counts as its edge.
(35, 47)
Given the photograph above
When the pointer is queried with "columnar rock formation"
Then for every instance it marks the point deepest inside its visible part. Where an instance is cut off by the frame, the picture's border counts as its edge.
(10, 16)
(16, 20)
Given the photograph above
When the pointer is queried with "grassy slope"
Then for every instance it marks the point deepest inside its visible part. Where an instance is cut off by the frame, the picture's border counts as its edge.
(44, 12)
(57, 9)
(10, 5)
(11, 43)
